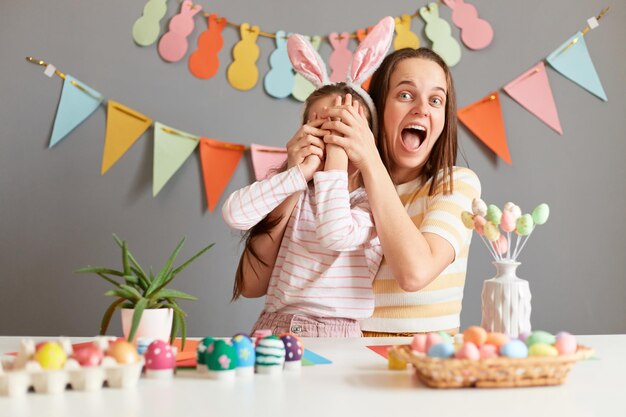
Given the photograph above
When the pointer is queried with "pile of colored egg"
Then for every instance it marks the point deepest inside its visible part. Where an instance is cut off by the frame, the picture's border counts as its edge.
(476, 343)
(239, 356)
(50, 366)
(490, 222)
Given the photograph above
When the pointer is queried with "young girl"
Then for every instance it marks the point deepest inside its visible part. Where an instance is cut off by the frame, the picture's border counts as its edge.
(320, 283)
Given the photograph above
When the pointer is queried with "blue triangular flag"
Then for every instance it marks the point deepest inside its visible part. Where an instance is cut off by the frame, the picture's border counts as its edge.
(77, 103)
(573, 61)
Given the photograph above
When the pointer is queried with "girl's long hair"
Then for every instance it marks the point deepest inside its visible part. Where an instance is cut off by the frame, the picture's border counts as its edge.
(265, 226)
(443, 154)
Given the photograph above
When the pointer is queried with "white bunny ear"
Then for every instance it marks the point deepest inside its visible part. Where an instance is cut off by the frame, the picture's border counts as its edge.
(306, 61)
(371, 52)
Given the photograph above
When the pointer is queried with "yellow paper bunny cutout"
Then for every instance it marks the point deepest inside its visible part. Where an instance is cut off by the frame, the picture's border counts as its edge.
(404, 37)
(243, 74)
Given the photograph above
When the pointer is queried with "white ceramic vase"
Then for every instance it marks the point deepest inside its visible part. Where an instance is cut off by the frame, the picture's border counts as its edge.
(154, 324)
(506, 301)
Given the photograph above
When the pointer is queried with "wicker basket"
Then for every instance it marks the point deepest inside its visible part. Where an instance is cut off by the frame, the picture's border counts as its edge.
(491, 373)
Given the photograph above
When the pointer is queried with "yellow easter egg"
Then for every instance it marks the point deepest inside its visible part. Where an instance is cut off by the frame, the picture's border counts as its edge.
(51, 356)
(542, 349)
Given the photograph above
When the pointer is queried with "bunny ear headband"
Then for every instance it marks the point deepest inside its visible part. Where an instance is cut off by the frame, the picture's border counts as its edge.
(368, 56)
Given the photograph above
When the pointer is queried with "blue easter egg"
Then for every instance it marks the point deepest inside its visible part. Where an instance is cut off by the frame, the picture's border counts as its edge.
(441, 350)
(514, 349)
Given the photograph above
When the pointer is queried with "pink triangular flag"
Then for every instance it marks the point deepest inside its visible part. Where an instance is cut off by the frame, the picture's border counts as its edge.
(533, 92)
(266, 160)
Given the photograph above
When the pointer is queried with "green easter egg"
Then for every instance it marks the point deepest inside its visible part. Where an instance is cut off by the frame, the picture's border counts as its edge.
(541, 213)
(223, 357)
(524, 225)
(540, 336)
(494, 214)
(491, 232)
(468, 219)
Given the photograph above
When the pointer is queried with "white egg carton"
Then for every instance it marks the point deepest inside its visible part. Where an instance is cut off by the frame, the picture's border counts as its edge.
(17, 377)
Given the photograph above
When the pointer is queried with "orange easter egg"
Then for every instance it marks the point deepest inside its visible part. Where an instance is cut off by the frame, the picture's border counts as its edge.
(475, 334)
(497, 339)
(123, 352)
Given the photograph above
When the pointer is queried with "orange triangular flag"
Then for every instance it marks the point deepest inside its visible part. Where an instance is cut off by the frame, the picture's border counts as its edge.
(484, 119)
(124, 126)
(219, 161)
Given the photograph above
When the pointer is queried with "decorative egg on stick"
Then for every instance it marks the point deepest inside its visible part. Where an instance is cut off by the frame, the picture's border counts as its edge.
(246, 355)
(270, 355)
(222, 361)
(294, 349)
(160, 360)
(479, 207)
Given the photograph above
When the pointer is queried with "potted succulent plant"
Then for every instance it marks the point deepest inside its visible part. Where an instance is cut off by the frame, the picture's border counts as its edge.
(139, 293)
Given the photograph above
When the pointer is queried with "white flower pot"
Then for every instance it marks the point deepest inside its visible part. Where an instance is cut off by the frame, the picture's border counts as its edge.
(506, 301)
(154, 324)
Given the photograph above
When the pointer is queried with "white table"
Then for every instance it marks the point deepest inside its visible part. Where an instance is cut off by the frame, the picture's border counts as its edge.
(357, 383)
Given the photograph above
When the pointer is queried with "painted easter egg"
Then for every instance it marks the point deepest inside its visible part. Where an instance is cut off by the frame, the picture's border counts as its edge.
(418, 343)
(514, 349)
(507, 221)
(524, 225)
(491, 231)
(222, 357)
(204, 347)
(245, 350)
(565, 343)
(468, 219)
(488, 351)
(540, 336)
(160, 355)
(468, 351)
(493, 214)
(441, 350)
(497, 339)
(479, 207)
(270, 351)
(294, 349)
(123, 352)
(541, 213)
(542, 349)
(50, 356)
(433, 339)
(475, 334)
(514, 209)
(88, 356)
(479, 224)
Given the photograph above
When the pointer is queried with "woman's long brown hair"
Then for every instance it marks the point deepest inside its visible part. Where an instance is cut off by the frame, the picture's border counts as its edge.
(443, 154)
(265, 226)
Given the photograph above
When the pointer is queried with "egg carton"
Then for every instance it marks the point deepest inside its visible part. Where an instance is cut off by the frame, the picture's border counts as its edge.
(16, 382)
(23, 373)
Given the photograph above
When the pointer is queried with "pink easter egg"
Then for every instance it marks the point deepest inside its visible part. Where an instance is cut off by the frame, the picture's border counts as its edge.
(468, 351)
(508, 221)
(501, 245)
(479, 224)
(418, 343)
(433, 339)
(488, 351)
(566, 344)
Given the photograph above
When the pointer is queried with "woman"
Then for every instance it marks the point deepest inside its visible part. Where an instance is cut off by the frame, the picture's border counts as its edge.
(415, 192)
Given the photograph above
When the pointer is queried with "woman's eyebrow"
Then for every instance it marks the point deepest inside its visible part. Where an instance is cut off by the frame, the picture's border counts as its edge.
(412, 84)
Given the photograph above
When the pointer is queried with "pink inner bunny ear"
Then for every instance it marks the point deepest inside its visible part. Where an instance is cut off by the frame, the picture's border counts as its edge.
(371, 52)
(306, 61)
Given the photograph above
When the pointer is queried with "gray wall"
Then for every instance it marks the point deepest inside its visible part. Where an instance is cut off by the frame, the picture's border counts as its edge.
(58, 213)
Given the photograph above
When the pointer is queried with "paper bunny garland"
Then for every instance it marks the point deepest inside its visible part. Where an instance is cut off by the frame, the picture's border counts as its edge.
(367, 57)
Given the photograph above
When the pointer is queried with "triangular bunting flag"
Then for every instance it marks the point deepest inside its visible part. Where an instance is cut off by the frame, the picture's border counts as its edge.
(573, 61)
(484, 119)
(124, 126)
(532, 90)
(219, 161)
(77, 103)
(171, 150)
(266, 160)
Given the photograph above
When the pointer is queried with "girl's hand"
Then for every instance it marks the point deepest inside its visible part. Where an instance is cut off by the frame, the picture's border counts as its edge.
(350, 130)
(306, 148)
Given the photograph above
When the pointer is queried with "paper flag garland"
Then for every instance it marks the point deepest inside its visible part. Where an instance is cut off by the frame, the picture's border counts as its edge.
(77, 103)
(476, 33)
(440, 34)
(279, 79)
(243, 73)
(147, 28)
(484, 119)
(339, 60)
(532, 90)
(219, 162)
(302, 87)
(124, 126)
(171, 149)
(266, 160)
(404, 37)
(573, 61)
(204, 61)
(173, 45)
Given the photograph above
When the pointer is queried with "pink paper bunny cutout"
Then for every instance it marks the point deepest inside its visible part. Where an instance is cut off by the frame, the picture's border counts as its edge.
(173, 45)
(367, 57)
(476, 33)
(339, 59)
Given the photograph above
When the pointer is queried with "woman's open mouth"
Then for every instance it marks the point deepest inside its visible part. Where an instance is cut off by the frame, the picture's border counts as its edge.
(412, 137)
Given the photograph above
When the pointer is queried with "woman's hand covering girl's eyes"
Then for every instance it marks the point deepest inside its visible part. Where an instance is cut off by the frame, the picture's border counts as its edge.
(306, 147)
(350, 130)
